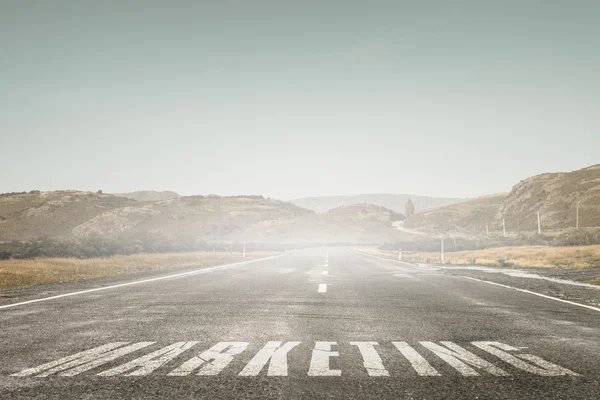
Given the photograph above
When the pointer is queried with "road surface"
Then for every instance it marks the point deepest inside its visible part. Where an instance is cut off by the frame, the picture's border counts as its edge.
(317, 323)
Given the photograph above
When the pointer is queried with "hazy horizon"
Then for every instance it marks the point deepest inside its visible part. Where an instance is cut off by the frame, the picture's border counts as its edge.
(296, 99)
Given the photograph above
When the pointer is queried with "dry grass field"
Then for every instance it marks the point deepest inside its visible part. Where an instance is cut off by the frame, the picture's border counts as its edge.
(522, 256)
(48, 270)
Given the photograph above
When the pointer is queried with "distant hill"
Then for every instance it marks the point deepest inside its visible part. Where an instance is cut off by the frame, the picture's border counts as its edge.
(79, 215)
(358, 223)
(470, 215)
(392, 201)
(192, 217)
(25, 216)
(150, 195)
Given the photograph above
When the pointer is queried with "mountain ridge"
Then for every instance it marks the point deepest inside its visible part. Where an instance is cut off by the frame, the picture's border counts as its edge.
(395, 202)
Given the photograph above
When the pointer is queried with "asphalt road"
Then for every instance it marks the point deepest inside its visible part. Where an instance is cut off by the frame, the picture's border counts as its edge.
(319, 323)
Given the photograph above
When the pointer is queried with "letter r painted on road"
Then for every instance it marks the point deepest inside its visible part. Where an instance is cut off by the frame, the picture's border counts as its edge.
(216, 359)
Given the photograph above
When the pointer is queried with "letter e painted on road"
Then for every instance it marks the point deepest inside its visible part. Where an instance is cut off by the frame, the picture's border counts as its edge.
(319, 363)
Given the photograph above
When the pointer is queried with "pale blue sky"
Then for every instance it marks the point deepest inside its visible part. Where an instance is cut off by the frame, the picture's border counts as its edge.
(296, 98)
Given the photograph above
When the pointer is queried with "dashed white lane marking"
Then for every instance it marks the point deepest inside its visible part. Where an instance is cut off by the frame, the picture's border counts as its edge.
(194, 272)
(217, 358)
(325, 272)
(536, 294)
(322, 287)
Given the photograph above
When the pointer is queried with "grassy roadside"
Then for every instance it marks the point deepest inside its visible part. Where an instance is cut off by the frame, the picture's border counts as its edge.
(15, 273)
(522, 256)
(577, 257)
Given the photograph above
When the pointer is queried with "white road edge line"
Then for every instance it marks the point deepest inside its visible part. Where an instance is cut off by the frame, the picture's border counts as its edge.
(535, 293)
(387, 259)
(325, 272)
(322, 287)
(194, 272)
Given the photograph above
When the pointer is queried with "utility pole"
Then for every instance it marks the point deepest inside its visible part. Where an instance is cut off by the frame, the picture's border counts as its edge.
(487, 229)
(539, 224)
(443, 260)
(577, 226)
(504, 227)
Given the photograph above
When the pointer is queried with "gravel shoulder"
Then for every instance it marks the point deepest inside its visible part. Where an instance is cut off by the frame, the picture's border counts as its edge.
(563, 284)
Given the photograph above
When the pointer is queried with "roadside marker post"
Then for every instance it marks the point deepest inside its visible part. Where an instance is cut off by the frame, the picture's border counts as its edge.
(399, 254)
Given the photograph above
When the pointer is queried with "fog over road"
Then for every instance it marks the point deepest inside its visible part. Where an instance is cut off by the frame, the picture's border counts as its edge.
(316, 323)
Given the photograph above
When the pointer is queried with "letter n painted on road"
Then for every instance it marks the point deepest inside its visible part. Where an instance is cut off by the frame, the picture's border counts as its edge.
(458, 358)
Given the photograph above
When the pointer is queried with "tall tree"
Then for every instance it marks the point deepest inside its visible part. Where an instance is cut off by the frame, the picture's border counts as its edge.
(409, 208)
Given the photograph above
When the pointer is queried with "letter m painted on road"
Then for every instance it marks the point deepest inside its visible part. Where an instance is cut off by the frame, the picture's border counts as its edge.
(85, 360)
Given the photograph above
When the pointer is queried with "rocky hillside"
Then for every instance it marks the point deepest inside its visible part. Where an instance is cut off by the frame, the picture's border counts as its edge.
(394, 202)
(554, 195)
